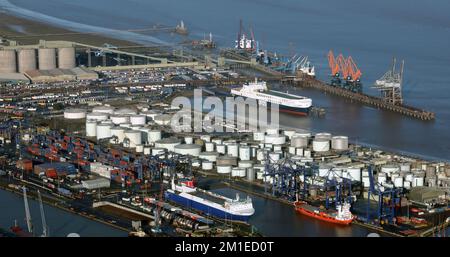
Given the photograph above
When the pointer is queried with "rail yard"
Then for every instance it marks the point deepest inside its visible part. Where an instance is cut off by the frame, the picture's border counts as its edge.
(88, 129)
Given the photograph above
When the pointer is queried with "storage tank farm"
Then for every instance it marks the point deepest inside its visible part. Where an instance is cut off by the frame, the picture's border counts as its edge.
(256, 157)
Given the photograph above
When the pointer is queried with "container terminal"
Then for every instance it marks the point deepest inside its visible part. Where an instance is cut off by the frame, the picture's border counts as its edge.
(87, 128)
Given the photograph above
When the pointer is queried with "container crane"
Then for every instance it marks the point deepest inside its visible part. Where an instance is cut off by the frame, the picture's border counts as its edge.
(27, 211)
(334, 67)
(390, 84)
(44, 223)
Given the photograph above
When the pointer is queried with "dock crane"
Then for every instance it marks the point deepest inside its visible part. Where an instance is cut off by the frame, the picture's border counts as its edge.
(387, 200)
(390, 84)
(27, 211)
(44, 223)
(335, 70)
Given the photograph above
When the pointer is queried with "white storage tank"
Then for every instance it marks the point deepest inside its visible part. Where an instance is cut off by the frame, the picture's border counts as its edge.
(134, 137)
(191, 149)
(47, 58)
(274, 157)
(289, 133)
(147, 150)
(275, 139)
(291, 150)
(418, 181)
(299, 141)
(74, 114)
(233, 150)
(139, 148)
(7, 61)
(66, 58)
(244, 153)
(91, 128)
(119, 119)
(138, 119)
(223, 169)
(103, 131)
(258, 136)
(209, 147)
(189, 140)
(272, 131)
(245, 164)
(405, 167)
(206, 138)
(323, 135)
(321, 145)
(299, 151)
(163, 119)
(210, 156)
(390, 168)
(217, 141)
(103, 109)
(97, 116)
(125, 111)
(227, 160)
(168, 143)
(27, 60)
(155, 135)
(307, 153)
(260, 154)
(398, 182)
(118, 133)
(222, 149)
(354, 173)
(158, 151)
(366, 181)
(251, 174)
(382, 178)
(207, 165)
(339, 143)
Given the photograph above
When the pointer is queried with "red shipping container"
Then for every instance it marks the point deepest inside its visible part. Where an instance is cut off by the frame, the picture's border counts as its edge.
(51, 173)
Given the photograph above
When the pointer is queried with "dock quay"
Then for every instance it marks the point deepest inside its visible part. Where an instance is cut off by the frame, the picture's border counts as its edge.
(364, 99)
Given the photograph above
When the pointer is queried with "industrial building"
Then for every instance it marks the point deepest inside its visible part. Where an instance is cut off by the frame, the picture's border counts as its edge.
(426, 195)
(56, 75)
(96, 183)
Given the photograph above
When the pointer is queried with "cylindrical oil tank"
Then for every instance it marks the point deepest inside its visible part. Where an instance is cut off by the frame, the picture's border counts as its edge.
(210, 156)
(339, 143)
(299, 151)
(299, 141)
(74, 114)
(168, 143)
(430, 172)
(354, 173)
(147, 150)
(323, 135)
(97, 116)
(119, 119)
(221, 149)
(134, 137)
(289, 133)
(405, 167)
(163, 119)
(191, 149)
(244, 153)
(7, 61)
(390, 168)
(398, 182)
(274, 157)
(66, 58)
(260, 154)
(103, 109)
(154, 135)
(275, 139)
(47, 58)
(223, 169)
(272, 131)
(158, 151)
(119, 133)
(209, 147)
(291, 150)
(91, 128)
(418, 181)
(207, 165)
(206, 138)
(307, 153)
(236, 172)
(245, 164)
(321, 145)
(381, 178)
(188, 140)
(125, 111)
(103, 131)
(258, 136)
(27, 59)
(138, 119)
(233, 150)
(227, 160)
(139, 148)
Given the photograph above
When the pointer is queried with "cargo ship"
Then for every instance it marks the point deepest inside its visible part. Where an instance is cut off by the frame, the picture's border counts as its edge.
(342, 215)
(210, 203)
(289, 103)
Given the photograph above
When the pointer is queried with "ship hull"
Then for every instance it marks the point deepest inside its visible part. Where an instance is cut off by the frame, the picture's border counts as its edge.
(294, 110)
(209, 210)
(321, 216)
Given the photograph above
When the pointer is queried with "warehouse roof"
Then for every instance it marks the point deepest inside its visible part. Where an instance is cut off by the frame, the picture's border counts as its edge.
(424, 194)
(13, 77)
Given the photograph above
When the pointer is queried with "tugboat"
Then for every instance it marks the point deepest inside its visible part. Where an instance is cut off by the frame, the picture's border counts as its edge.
(341, 216)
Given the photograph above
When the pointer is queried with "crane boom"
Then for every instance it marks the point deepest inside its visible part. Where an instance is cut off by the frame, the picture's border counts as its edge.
(355, 73)
(44, 223)
(27, 211)
(343, 66)
(332, 63)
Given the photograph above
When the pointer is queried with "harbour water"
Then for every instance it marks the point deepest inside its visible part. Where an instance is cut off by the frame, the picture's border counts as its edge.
(60, 222)
(371, 32)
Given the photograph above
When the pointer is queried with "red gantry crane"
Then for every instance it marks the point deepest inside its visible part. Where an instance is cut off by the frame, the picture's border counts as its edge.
(347, 69)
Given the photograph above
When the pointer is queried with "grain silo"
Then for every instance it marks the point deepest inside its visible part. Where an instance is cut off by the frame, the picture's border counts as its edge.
(27, 59)
(47, 58)
(7, 61)
(66, 58)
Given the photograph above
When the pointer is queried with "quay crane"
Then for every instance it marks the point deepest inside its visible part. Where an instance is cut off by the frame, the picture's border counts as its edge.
(390, 84)
(344, 69)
